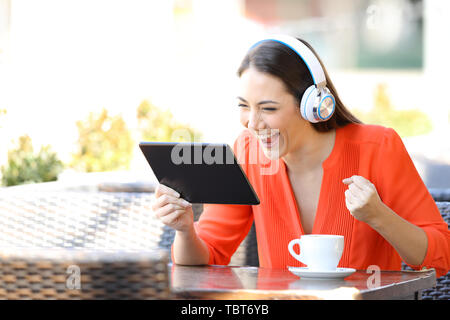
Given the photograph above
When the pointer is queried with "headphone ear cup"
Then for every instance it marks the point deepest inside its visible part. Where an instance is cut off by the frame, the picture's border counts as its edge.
(327, 104)
(307, 104)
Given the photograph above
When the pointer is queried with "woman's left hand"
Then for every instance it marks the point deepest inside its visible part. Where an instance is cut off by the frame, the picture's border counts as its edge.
(362, 199)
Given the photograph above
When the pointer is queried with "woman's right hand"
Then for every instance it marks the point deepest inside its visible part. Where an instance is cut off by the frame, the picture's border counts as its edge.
(172, 210)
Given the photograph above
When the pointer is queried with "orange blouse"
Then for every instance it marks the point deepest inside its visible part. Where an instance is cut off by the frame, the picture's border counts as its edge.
(374, 152)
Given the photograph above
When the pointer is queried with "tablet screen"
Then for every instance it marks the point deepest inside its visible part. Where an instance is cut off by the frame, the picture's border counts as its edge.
(200, 172)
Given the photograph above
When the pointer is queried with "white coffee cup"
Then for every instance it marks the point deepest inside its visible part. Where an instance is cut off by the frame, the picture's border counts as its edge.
(321, 252)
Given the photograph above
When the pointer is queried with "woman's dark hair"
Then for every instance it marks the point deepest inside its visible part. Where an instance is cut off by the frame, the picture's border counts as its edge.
(281, 61)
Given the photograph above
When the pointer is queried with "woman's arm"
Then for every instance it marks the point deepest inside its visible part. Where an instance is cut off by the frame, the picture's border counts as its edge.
(408, 240)
(364, 203)
(189, 249)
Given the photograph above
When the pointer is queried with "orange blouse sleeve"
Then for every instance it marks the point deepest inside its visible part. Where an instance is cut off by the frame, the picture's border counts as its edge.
(222, 226)
(401, 188)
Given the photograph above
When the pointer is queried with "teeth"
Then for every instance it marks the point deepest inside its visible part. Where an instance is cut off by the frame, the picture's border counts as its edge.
(265, 138)
(268, 136)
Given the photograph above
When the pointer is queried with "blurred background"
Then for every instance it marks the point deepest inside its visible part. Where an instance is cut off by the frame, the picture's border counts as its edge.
(82, 82)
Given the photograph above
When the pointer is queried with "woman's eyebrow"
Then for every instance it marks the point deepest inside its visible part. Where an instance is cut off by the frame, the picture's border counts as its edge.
(268, 101)
(261, 102)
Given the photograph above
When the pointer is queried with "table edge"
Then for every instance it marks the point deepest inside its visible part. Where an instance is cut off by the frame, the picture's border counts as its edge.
(391, 290)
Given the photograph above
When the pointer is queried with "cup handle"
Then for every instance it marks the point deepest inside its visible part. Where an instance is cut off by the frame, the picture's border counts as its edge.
(292, 251)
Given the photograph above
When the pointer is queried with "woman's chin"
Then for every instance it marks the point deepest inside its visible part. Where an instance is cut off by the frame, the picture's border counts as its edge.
(272, 153)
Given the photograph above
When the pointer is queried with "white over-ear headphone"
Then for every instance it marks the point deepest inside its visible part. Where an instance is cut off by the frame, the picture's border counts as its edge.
(317, 103)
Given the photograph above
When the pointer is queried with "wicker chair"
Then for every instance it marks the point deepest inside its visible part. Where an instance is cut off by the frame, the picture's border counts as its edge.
(441, 195)
(442, 289)
(112, 238)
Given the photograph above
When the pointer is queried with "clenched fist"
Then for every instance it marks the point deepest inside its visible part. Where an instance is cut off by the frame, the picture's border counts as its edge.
(362, 199)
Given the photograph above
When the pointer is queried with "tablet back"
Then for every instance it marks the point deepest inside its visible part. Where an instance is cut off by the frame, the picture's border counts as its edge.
(200, 172)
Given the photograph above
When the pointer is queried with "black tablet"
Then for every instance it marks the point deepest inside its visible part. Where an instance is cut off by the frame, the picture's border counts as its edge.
(200, 172)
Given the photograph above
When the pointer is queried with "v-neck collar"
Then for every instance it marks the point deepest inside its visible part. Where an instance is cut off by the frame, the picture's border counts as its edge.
(326, 164)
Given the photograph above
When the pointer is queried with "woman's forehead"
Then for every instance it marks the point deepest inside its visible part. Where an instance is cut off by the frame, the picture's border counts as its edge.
(254, 83)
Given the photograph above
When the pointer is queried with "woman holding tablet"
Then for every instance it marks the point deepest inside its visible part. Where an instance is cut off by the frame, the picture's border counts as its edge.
(333, 175)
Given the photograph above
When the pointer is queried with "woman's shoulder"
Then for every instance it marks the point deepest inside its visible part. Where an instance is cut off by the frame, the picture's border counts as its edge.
(367, 133)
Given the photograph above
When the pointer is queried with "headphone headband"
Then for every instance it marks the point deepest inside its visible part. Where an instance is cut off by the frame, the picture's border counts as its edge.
(308, 57)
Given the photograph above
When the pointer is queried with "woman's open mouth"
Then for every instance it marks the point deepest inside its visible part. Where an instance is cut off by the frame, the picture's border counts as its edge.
(269, 141)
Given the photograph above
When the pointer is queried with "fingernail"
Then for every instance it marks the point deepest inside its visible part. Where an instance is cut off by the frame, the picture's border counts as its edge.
(185, 203)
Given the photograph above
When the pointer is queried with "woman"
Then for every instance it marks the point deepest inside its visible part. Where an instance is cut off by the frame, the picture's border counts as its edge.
(334, 175)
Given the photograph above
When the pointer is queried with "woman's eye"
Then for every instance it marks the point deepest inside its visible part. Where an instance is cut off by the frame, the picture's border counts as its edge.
(264, 109)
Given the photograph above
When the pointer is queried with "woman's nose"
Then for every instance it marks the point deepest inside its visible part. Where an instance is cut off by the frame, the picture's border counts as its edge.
(254, 122)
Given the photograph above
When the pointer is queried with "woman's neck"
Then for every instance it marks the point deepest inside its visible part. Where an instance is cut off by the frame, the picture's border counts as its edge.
(311, 152)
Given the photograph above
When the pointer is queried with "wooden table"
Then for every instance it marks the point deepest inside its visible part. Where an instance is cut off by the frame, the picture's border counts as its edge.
(227, 282)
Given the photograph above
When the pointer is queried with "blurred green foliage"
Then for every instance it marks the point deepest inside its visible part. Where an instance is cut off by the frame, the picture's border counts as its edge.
(406, 122)
(155, 124)
(104, 143)
(24, 166)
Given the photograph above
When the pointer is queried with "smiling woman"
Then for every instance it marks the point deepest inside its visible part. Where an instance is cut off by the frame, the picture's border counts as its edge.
(334, 176)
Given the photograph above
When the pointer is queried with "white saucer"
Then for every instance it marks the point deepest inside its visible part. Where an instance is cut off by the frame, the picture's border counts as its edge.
(339, 273)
